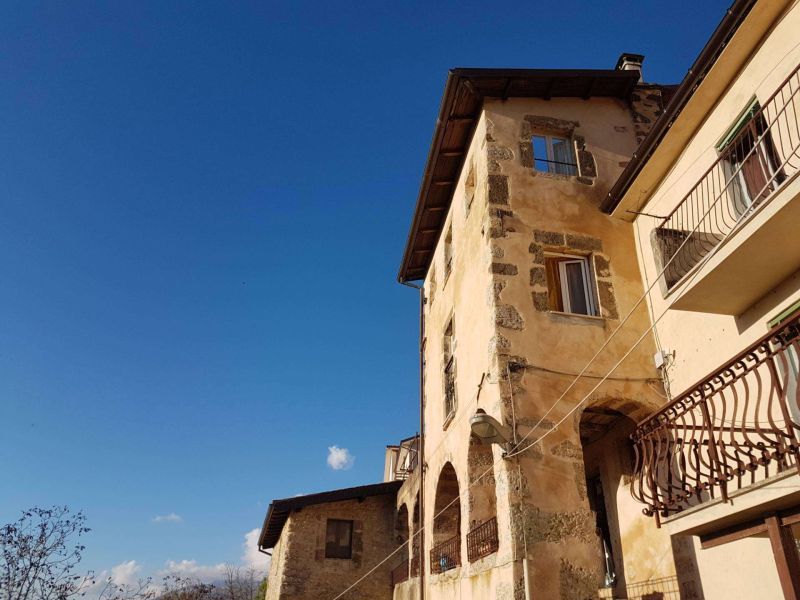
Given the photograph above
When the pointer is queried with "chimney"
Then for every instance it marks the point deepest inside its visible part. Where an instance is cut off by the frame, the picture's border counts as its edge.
(630, 62)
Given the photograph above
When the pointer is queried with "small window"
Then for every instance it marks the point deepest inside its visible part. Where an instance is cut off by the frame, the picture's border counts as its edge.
(553, 154)
(469, 188)
(431, 288)
(570, 285)
(339, 539)
(448, 351)
(448, 252)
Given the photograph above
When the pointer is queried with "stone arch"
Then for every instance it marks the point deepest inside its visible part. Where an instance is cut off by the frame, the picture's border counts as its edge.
(416, 539)
(480, 470)
(401, 526)
(401, 532)
(446, 536)
(608, 463)
(447, 505)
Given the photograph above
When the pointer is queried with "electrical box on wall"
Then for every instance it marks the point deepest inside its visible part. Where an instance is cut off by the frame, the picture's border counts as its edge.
(660, 358)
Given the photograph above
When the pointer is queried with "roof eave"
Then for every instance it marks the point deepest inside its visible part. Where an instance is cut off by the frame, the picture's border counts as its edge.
(696, 74)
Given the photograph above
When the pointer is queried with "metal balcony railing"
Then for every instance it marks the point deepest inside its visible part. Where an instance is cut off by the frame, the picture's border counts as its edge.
(762, 155)
(482, 540)
(446, 556)
(665, 588)
(400, 573)
(737, 426)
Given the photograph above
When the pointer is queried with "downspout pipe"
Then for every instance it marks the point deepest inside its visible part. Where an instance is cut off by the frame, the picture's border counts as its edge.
(421, 461)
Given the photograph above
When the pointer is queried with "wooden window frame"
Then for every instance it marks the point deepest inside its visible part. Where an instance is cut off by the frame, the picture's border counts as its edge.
(448, 252)
(339, 554)
(449, 370)
(589, 285)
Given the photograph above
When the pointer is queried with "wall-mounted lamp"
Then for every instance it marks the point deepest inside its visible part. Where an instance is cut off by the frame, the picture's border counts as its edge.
(490, 430)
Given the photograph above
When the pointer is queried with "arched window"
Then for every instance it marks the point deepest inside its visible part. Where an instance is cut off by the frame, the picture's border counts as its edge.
(482, 539)
(446, 550)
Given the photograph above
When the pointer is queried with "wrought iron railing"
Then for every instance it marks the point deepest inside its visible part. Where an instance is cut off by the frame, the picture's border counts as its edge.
(446, 555)
(761, 156)
(737, 426)
(482, 540)
(665, 588)
(400, 573)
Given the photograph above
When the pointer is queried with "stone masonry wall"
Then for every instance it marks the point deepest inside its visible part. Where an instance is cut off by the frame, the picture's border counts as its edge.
(301, 571)
(535, 352)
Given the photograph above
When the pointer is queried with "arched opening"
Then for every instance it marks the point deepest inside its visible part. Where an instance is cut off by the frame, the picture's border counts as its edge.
(609, 462)
(416, 542)
(401, 525)
(446, 549)
(401, 572)
(482, 535)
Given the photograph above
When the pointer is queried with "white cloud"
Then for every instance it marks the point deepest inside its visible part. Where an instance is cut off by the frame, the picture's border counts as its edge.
(128, 573)
(125, 575)
(171, 518)
(251, 557)
(340, 459)
(191, 569)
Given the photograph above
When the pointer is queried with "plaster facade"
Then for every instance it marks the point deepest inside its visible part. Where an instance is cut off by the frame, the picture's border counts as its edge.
(706, 319)
(515, 356)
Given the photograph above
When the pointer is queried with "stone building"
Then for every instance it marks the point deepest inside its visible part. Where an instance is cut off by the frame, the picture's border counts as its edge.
(322, 543)
(610, 300)
(524, 279)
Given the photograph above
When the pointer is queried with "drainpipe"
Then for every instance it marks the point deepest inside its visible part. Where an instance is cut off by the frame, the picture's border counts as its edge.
(421, 461)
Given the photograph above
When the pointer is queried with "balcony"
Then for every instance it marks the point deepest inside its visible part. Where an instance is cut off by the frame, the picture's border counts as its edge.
(482, 540)
(738, 426)
(446, 555)
(738, 222)
(400, 573)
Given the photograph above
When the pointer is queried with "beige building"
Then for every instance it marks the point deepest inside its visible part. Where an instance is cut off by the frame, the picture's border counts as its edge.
(609, 288)
(715, 200)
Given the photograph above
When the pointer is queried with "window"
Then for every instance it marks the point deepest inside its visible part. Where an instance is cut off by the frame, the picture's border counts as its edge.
(448, 252)
(339, 539)
(448, 350)
(469, 188)
(553, 155)
(788, 361)
(570, 284)
(751, 161)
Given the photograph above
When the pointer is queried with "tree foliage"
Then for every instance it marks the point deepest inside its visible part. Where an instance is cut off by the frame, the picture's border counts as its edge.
(39, 553)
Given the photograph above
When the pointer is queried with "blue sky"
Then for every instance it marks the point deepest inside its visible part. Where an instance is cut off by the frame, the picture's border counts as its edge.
(203, 210)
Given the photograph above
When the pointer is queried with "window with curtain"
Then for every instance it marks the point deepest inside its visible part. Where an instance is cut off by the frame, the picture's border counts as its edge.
(570, 285)
(552, 154)
(339, 539)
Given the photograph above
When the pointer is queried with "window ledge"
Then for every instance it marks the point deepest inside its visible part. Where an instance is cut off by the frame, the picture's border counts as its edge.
(556, 176)
(591, 318)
